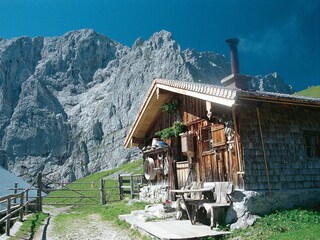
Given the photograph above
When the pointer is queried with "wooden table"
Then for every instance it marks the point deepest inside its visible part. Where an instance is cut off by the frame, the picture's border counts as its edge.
(182, 192)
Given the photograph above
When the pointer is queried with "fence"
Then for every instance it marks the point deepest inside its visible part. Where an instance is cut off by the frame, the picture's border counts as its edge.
(129, 184)
(107, 191)
(80, 193)
(17, 205)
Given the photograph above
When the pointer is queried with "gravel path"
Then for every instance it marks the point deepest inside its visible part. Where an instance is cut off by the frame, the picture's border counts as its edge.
(90, 227)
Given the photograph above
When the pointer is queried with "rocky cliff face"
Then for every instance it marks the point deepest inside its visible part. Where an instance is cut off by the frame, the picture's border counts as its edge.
(66, 103)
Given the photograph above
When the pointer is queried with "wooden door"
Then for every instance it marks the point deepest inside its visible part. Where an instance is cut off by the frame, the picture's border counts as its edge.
(213, 159)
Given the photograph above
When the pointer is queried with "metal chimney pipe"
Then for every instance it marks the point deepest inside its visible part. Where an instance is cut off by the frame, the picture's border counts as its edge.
(234, 57)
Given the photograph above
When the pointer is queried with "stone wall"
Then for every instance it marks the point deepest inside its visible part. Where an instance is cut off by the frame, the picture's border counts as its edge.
(154, 193)
(247, 206)
(283, 130)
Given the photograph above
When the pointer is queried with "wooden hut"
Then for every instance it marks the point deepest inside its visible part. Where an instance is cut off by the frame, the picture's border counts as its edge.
(261, 142)
(256, 140)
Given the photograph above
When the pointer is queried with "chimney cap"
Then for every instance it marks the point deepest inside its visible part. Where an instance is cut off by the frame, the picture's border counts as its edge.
(232, 40)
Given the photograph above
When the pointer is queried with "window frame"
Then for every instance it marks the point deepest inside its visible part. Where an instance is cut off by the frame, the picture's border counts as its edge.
(312, 144)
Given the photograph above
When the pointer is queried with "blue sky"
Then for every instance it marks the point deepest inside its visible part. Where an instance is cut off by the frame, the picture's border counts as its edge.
(276, 35)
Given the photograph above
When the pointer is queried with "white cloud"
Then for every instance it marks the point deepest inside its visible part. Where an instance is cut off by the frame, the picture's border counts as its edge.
(274, 42)
(284, 39)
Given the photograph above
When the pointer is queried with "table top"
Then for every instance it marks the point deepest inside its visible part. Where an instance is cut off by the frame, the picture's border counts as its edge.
(192, 190)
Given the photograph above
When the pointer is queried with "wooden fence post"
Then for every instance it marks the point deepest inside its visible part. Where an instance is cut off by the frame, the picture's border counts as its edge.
(131, 187)
(15, 191)
(102, 191)
(120, 187)
(8, 219)
(39, 181)
(27, 202)
(21, 207)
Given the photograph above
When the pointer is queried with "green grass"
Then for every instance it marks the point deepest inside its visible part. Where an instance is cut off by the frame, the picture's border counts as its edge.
(282, 225)
(310, 92)
(29, 226)
(90, 186)
(108, 212)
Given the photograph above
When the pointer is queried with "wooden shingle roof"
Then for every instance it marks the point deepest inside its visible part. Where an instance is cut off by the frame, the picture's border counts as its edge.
(162, 90)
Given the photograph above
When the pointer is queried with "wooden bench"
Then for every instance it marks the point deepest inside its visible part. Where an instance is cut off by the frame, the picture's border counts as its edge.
(214, 205)
(216, 209)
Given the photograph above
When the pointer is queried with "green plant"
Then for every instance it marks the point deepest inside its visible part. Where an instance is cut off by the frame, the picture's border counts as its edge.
(169, 107)
(178, 128)
(170, 132)
(166, 133)
(286, 224)
(30, 226)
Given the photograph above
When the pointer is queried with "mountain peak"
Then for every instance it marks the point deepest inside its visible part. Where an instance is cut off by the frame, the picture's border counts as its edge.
(162, 37)
(163, 33)
(81, 34)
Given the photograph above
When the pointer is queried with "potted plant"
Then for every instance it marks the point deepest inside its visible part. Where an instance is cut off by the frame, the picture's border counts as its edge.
(172, 132)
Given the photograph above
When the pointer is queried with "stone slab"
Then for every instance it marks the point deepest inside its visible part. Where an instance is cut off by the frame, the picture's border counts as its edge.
(173, 229)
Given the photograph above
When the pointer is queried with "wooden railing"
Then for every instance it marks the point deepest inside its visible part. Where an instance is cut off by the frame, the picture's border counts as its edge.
(15, 211)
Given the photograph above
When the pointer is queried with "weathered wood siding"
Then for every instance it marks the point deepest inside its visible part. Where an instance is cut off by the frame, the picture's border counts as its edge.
(283, 129)
(218, 164)
(182, 173)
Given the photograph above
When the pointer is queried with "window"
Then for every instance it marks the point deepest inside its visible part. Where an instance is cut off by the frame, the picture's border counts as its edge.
(312, 144)
(206, 139)
(213, 137)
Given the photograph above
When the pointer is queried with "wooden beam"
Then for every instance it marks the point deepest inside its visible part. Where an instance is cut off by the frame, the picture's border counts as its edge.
(137, 140)
(263, 149)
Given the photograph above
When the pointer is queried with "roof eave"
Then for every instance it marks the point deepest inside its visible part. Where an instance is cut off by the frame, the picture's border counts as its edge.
(228, 99)
(202, 96)
(290, 100)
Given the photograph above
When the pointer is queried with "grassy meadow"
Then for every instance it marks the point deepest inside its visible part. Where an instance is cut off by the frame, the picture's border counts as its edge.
(281, 225)
(310, 92)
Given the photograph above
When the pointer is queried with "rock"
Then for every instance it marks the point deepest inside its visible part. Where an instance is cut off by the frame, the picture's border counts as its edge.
(270, 83)
(247, 206)
(154, 193)
(243, 222)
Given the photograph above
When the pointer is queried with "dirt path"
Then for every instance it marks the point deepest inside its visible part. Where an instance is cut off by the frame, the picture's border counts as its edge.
(84, 228)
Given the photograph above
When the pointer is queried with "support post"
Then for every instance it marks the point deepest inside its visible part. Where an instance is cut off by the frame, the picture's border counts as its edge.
(102, 191)
(15, 191)
(131, 187)
(8, 219)
(27, 202)
(39, 181)
(236, 140)
(263, 149)
(120, 187)
(21, 207)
